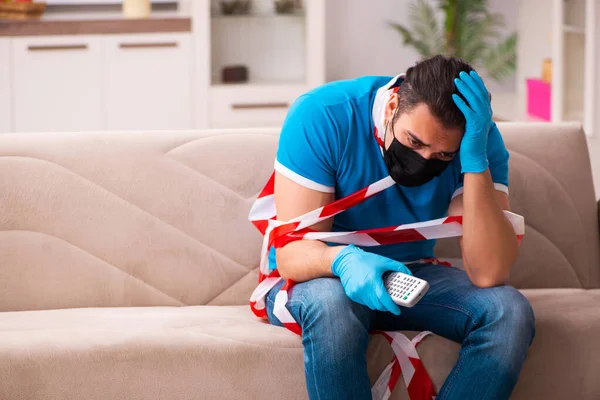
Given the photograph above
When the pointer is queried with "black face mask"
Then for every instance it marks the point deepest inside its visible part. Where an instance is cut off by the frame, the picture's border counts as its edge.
(408, 168)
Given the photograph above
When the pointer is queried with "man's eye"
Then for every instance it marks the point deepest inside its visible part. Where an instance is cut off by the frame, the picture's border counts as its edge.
(413, 142)
(446, 156)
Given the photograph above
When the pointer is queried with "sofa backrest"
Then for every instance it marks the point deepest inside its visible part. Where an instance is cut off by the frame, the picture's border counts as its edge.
(135, 219)
(130, 219)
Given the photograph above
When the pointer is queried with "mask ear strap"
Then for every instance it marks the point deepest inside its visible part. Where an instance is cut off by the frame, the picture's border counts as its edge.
(385, 131)
(387, 123)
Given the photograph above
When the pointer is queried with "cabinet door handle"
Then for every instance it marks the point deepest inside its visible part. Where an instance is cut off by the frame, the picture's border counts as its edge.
(57, 47)
(157, 45)
(253, 106)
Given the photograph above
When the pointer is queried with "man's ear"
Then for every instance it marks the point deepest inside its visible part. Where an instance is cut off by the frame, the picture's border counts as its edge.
(391, 106)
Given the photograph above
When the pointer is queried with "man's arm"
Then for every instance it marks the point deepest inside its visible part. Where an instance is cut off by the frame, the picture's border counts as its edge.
(360, 272)
(303, 260)
(489, 244)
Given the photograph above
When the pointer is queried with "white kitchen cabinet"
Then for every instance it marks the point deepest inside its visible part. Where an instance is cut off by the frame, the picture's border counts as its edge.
(170, 81)
(57, 83)
(243, 106)
(5, 90)
(282, 55)
(148, 81)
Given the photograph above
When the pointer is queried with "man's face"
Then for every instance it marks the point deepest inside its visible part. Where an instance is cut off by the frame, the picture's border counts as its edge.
(422, 132)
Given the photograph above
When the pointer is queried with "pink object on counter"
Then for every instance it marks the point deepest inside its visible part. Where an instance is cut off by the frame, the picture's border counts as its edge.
(539, 95)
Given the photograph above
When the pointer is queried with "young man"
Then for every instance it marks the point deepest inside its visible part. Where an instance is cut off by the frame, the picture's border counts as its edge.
(431, 131)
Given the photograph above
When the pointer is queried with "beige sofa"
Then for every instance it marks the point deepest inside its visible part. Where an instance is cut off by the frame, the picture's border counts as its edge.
(126, 262)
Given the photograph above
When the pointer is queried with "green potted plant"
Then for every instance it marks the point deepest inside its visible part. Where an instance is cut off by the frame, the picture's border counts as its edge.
(466, 29)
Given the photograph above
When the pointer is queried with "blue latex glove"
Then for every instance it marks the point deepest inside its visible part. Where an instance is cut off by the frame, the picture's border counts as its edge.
(478, 113)
(361, 274)
(495, 145)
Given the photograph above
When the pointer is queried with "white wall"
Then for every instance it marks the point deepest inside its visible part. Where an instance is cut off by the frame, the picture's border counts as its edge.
(361, 42)
(535, 43)
(594, 141)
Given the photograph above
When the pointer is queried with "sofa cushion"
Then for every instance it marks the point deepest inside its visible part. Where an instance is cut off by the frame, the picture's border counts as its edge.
(564, 359)
(218, 352)
(130, 219)
(176, 353)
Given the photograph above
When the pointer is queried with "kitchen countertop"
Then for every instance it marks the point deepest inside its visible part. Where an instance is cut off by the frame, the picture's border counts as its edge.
(78, 23)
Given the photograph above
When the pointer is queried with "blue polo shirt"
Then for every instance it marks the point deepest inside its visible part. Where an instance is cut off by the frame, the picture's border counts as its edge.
(327, 144)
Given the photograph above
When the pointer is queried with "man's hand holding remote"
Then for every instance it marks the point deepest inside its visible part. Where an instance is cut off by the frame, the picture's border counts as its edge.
(361, 274)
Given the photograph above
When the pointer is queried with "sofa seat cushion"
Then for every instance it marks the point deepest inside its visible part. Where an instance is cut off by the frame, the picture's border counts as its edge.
(219, 352)
(200, 352)
(564, 359)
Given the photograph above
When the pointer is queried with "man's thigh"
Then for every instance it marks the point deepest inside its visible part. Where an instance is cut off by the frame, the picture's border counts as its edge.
(321, 299)
(451, 308)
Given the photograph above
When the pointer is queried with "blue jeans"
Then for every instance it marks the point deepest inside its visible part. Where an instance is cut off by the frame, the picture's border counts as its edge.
(495, 327)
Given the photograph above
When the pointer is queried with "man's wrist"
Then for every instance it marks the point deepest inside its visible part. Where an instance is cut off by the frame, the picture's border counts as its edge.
(476, 167)
(330, 254)
(479, 180)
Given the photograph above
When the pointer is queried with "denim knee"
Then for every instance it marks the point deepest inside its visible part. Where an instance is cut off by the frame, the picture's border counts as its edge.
(324, 300)
(326, 314)
(506, 310)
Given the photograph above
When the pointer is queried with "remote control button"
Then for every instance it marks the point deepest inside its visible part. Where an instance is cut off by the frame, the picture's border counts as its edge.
(405, 297)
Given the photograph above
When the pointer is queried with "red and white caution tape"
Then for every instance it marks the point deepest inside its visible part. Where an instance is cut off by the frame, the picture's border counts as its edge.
(279, 233)
(408, 363)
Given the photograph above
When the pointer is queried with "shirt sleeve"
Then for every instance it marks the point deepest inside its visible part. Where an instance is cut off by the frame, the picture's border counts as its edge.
(309, 145)
(498, 164)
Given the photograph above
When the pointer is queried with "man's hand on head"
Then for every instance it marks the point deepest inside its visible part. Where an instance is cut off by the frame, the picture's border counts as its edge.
(489, 244)
(478, 114)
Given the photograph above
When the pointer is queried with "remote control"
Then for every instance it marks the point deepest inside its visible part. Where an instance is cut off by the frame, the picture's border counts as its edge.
(406, 290)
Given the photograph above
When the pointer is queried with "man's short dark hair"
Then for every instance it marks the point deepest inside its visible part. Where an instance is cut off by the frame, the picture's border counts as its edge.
(431, 82)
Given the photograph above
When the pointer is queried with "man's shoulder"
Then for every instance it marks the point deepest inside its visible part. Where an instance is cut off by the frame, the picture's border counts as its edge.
(330, 117)
(340, 105)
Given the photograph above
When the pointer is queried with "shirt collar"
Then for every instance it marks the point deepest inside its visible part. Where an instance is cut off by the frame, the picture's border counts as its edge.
(381, 99)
